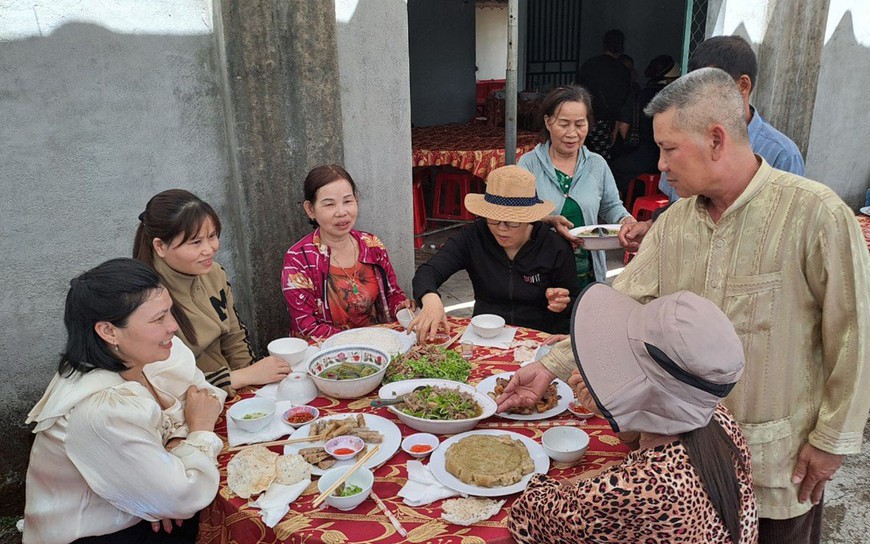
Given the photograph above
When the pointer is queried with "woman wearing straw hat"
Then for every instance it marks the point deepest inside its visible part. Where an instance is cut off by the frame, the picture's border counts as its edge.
(657, 371)
(519, 268)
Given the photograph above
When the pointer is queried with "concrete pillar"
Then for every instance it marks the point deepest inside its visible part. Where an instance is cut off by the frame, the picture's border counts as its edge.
(376, 121)
(283, 116)
(789, 59)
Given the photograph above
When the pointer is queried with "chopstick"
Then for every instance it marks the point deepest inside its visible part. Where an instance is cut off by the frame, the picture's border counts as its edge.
(490, 356)
(320, 498)
(452, 341)
(314, 438)
(399, 529)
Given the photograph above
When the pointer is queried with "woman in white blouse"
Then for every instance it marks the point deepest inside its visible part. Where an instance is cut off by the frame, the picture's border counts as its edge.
(125, 445)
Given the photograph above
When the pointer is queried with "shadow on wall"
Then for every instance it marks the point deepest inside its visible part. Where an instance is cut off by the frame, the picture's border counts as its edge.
(93, 123)
(837, 151)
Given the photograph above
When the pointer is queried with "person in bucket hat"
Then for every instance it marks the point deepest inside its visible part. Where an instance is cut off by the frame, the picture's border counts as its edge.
(519, 268)
(655, 372)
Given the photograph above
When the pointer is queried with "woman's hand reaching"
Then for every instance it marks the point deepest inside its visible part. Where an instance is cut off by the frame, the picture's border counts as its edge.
(526, 387)
(267, 370)
(562, 226)
(431, 316)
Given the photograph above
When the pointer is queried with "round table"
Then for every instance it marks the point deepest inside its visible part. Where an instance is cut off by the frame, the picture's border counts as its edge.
(229, 520)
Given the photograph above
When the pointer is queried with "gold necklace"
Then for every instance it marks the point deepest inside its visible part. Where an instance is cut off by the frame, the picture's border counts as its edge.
(352, 278)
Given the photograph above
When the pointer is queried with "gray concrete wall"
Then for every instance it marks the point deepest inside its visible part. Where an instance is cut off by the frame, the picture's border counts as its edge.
(651, 27)
(376, 121)
(95, 118)
(840, 136)
(441, 50)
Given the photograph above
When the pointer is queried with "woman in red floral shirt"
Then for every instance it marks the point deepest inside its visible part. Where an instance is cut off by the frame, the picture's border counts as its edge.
(337, 278)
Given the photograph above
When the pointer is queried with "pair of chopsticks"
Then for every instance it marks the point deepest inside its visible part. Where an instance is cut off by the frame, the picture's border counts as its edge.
(322, 497)
(314, 438)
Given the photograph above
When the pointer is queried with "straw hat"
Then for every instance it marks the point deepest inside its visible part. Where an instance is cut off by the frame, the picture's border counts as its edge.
(510, 196)
(660, 367)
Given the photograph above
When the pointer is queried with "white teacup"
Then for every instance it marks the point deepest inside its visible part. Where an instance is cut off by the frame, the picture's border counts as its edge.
(291, 350)
(405, 316)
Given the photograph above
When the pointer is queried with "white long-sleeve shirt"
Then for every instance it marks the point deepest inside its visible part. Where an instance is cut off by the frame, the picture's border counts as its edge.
(98, 464)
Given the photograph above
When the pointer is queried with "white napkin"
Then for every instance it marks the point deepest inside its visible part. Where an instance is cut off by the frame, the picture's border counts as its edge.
(422, 487)
(275, 502)
(503, 341)
(273, 431)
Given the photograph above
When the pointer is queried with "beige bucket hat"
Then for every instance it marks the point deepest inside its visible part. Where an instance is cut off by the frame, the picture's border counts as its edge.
(660, 367)
(510, 196)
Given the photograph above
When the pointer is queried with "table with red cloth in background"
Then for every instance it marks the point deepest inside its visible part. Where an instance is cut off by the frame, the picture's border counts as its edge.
(476, 148)
(229, 520)
(864, 223)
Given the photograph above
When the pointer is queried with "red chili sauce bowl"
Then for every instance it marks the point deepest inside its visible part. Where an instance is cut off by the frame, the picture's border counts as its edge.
(300, 415)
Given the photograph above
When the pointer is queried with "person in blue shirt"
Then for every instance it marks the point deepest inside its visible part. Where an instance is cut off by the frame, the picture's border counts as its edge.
(734, 55)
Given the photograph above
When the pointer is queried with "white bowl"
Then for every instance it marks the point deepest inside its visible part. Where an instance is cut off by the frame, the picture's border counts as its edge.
(298, 388)
(433, 426)
(313, 412)
(248, 406)
(565, 444)
(404, 316)
(291, 350)
(354, 388)
(487, 325)
(362, 477)
(420, 438)
(353, 443)
(593, 241)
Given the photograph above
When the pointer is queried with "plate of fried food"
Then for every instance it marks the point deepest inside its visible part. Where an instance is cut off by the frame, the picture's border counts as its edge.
(554, 402)
(371, 428)
(488, 463)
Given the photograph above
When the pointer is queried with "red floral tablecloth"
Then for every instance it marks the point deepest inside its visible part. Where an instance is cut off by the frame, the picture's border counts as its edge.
(229, 520)
(476, 148)
(864, 222)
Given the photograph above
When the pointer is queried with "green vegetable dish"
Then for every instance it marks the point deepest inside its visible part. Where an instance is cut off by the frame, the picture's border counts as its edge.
(348, 371)
(441, 403)
(347, 490)
(428, 361)
(254, 415)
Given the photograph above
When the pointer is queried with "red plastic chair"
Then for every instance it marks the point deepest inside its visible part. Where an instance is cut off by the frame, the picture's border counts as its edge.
(419, 206)
(650, 184)
(448, 201)
(646, 205)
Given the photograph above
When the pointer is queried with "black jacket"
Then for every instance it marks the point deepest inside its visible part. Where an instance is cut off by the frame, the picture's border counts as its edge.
(515, 290)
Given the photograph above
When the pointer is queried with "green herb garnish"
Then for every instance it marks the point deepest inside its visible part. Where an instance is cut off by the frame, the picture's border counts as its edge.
(428, 362)
(346, 490)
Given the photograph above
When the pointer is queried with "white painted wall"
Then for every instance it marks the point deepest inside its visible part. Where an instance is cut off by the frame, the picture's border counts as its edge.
(491, 35)
(376, 121)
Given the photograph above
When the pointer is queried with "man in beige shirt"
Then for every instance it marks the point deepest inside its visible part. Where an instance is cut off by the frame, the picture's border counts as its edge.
(784, 258)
